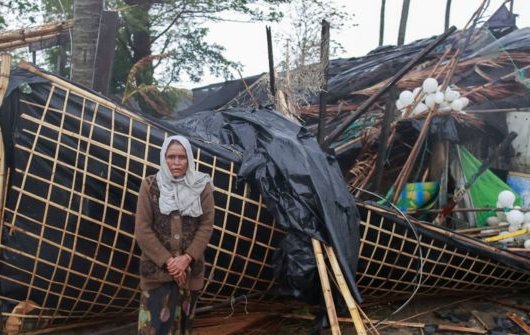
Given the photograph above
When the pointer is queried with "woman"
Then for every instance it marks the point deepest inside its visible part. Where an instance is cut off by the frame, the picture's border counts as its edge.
(174, 221)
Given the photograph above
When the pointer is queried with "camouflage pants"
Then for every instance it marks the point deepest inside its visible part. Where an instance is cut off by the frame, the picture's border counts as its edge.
(166, 310)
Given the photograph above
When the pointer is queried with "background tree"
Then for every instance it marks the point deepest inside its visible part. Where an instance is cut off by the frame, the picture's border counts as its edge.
(300, 76)
(177, 30)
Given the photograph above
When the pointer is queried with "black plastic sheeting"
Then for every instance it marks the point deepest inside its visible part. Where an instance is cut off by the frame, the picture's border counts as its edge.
(442, 127)
(302, 186)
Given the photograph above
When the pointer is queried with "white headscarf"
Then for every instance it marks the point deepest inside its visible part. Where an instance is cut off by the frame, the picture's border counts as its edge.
(181, 193)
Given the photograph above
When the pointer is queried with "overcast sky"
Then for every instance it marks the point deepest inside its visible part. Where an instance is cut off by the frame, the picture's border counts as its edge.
(246, 43)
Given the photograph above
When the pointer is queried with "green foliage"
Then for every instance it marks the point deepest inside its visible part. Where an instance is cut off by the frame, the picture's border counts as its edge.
(19, 11)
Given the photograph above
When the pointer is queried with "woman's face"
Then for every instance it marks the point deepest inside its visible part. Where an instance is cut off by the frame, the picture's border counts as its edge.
(177, 160)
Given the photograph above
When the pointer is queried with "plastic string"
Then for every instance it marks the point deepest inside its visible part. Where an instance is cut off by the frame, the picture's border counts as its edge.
(419, 275)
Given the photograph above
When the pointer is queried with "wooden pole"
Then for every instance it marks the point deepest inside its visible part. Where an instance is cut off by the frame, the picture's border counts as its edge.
(271, 62)
(105, 51)
(345, 291)
(324, 67)
(382, 22)
(447, 14)
(390, 110)
(326, 289)
(403, 22)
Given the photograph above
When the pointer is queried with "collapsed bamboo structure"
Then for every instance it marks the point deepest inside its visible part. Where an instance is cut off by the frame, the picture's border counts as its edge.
(74, 259)
(67, 249)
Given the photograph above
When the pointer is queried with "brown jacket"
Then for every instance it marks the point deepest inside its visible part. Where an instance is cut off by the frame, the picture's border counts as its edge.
(162, 236)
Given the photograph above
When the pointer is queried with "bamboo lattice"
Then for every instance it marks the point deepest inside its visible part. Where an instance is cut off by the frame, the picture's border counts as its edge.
(68, 220)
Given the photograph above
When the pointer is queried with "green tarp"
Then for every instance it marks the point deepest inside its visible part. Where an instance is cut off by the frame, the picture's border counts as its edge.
(485, 189)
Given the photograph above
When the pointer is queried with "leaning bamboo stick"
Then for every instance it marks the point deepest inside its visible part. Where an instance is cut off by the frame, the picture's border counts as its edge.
(345, 291)
(518, 321)
(482, 209)
(326, 289)
(519, 250)
(5, 69)
(479, 229)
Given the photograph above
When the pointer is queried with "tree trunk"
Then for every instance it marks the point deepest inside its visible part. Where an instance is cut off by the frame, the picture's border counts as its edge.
(141, 37)
(382, 23)
(447, 14)
(403, 22)
(87, 15)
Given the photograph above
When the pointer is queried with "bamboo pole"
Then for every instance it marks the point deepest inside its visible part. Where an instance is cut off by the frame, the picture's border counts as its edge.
(41, 30)
(326, 289)
(345, 291)
(518, 321)
(22, 37)
(79, 91)
(5, 69)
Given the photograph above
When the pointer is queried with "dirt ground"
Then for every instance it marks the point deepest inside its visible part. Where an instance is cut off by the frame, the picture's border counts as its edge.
(478, 314)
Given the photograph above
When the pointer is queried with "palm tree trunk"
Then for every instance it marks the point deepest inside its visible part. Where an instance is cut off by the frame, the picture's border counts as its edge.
(87, 16)
(447, 14)
(403, 22)
(382, 23)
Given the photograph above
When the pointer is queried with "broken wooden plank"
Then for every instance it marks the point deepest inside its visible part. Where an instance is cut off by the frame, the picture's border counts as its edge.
(518, 321)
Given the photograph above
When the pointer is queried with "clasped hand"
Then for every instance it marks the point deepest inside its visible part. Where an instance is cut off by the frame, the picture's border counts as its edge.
(177, 268)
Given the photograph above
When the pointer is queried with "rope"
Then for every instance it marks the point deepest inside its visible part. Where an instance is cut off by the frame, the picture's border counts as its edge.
(521, 76)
